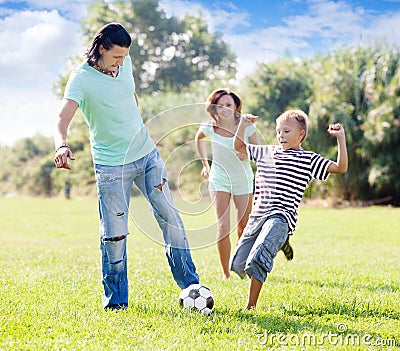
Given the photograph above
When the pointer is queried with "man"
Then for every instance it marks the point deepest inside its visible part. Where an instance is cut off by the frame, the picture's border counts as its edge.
(123, 153)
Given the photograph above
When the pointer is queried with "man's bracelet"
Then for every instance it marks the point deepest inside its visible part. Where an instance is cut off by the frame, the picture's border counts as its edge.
(62, 146)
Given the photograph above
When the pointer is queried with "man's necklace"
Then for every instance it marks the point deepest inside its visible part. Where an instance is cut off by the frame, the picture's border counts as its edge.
(105, 71)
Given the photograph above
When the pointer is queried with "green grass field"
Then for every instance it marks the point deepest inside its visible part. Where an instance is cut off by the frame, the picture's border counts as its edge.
(341, 291)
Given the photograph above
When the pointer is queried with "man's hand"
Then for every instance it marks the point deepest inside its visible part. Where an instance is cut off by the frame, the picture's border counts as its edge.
(61, 158)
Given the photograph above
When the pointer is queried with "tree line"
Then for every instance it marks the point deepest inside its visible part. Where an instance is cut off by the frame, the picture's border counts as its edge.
(177, 62)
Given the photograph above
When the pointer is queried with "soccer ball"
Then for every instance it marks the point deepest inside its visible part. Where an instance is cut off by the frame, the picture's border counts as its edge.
(197, 297)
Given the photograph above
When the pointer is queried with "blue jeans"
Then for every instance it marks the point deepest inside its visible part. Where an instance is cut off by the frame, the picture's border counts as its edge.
(261, 240)
(114, 185)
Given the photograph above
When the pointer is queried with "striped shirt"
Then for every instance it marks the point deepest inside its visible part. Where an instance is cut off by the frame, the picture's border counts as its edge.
(281, 179)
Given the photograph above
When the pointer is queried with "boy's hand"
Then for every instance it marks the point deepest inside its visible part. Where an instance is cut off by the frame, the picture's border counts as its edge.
(341, 165)
(249, 118)
(336, 130)
(241, 156)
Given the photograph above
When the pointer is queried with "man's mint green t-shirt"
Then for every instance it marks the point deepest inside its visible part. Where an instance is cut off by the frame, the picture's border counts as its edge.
(117, 133)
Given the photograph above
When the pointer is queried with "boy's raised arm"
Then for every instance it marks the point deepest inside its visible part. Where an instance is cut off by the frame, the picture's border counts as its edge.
(245, 121)
(341, 164)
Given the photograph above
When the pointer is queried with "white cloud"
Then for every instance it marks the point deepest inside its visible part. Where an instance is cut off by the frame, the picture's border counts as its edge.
(324, 18)
(326, 25)
(385, 27)
(227, 18)
(179, 8)
(26, 113)
(35, 46)
(219, 18)
(327, 22)
(71, 9)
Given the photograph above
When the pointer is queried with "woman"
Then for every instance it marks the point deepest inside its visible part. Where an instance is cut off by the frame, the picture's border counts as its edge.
(230, 175)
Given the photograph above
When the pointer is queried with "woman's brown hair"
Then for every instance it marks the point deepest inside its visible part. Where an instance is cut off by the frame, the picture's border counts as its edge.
(213, 98)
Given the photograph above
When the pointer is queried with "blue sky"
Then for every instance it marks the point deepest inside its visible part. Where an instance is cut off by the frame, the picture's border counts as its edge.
(38, 36)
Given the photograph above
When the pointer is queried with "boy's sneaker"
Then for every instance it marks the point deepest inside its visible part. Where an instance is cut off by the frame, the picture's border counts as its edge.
(287, 250)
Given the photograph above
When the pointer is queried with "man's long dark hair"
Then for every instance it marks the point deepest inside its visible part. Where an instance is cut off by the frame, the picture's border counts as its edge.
(108, 36)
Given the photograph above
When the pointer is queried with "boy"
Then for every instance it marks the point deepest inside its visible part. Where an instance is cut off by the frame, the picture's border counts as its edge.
(283, 172)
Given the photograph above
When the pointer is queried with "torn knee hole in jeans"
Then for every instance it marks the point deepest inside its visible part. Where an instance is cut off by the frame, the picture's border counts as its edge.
(160, 186)
(115, 250)
(118, 238)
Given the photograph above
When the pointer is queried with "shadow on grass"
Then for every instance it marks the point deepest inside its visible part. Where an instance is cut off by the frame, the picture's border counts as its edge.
(278, 324)
(394, 288)
(354, 307)
(287, 330)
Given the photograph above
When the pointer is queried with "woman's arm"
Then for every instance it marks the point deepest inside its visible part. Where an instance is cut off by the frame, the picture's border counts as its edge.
(202, 150)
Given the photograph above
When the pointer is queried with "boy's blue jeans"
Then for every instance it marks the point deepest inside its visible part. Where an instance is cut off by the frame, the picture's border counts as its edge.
(261, 240)
(114, 185)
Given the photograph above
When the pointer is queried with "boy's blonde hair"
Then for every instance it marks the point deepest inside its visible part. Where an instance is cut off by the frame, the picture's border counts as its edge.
(298, 116)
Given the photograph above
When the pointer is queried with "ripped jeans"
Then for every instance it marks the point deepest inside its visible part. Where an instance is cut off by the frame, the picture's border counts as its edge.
(114, 184)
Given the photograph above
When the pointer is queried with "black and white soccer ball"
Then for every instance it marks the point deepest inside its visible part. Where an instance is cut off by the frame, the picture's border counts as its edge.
(197, 297)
